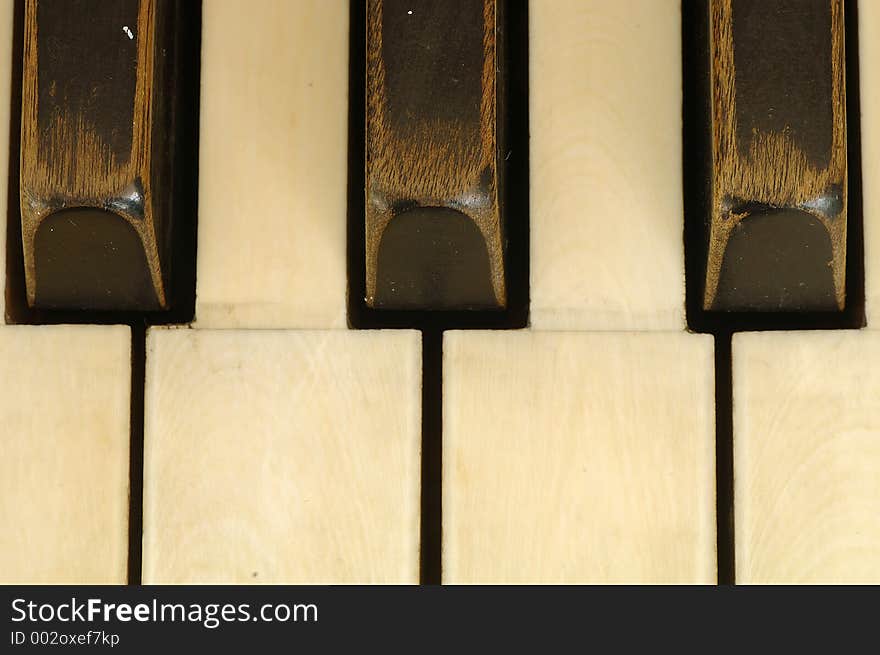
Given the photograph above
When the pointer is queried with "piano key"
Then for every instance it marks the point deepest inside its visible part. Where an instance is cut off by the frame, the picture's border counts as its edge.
(606, 167)
(282, 456)
(869, 92)
(434, 229)
(777, 224)
(807, 457)
(272, 176)
(97, 144)
(7, 10)
(578, 457)
(65, 444)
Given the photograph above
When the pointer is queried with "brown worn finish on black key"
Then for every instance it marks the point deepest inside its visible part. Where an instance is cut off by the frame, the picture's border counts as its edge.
(96, 154)
(777, 229)
(434, 231)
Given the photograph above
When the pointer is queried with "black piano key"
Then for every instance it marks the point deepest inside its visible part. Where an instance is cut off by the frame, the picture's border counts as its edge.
(99, 135)
(778, 212)
(434, 228)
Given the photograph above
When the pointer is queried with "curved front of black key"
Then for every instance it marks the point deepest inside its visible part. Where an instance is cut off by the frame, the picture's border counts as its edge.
(97, 146)
(433, 257)
(434, 229)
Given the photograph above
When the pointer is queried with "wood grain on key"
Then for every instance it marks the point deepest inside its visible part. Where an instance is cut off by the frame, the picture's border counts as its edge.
(777, 229)
(434, 232)
(95, 149)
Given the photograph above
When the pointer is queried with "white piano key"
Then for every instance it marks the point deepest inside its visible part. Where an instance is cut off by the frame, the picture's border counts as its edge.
(578, 458)
(282, 456)
(807, 457)
(869, 93)
(64, 409)
(273, 164)
(606, 165)
(6, 25)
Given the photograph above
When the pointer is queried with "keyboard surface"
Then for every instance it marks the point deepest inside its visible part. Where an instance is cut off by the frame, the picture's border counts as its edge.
(438, 309)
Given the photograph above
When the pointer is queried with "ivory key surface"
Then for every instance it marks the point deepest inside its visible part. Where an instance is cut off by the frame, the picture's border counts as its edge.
(869, 94)
(65, 442)
(273, 164)
(807, 457)
(578, 458)
(606, 165)
(282, 456)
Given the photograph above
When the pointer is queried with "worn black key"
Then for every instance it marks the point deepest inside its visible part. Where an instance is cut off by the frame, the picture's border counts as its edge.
(777, 224)
(97, 145)
(434, 231)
